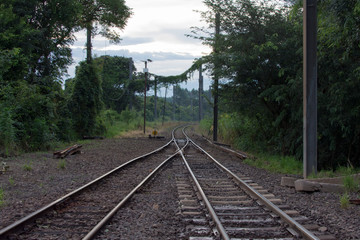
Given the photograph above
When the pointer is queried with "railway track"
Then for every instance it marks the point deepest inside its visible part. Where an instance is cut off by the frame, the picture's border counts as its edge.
(239, 208)
(78, 214)
(213, 203)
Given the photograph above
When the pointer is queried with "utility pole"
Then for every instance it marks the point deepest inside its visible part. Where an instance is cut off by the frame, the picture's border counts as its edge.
(310, 88)
(216, 76)
(201, 91)
(163, 117)
(174, 98)
(130, 80)
(155, 110)
(146, 71)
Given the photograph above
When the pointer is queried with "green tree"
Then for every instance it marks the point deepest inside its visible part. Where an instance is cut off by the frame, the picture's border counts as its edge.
(85, 103)
(100, 16)
(261, 60)
(339, 82)
(34, 52)
(47, 46)
(114, 74)
(260, 55)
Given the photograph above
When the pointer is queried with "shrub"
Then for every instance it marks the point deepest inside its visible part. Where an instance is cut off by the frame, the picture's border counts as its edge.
(2, 196)
(344, 201)
(7, 130)
(350, 184)
(62, 164)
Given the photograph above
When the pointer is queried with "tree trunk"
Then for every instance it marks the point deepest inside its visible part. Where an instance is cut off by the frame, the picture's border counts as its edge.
(88, 43)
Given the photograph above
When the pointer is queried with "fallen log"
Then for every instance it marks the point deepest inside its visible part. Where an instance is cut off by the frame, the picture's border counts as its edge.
(68, 151)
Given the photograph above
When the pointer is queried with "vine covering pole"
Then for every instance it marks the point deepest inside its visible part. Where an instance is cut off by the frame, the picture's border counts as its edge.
(310, 88)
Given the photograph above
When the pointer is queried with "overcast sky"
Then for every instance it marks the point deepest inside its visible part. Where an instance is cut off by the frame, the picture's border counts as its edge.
(155, 31)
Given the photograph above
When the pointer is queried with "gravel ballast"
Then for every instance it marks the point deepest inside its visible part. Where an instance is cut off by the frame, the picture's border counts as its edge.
(36, 179)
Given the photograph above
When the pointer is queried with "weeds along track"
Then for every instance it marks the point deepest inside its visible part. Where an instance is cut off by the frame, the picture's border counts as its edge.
(76, 214)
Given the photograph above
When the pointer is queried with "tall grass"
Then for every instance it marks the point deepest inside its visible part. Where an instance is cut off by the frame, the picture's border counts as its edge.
(241, 133)
(2, 197)
(116, 123)
(276, 163)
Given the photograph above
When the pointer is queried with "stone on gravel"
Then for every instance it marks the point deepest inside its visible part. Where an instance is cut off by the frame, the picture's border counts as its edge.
(302, 185)
(288, 181)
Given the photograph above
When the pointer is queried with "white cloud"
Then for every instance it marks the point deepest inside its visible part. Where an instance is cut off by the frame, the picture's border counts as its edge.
(157, 31)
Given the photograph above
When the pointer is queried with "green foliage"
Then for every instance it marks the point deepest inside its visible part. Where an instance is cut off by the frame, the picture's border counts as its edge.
(85, 103)
(260, 53)
(117, 123)
(27, 167)
(62, 164)
(345, 201)
(2, 197)
(105, 15)
(128, 115)
(7, 130)
(34, 54)
(344, 171)
(114, 74)
(11, 181)
(350, 184)
(278, 164)
(205, 127)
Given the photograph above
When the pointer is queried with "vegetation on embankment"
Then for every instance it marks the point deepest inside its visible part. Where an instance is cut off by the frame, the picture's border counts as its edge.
(242, 135)
(260, 51)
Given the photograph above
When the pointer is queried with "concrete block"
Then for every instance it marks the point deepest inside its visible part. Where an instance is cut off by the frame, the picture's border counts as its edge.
(288, 181)
(335, 188)
(302, 185)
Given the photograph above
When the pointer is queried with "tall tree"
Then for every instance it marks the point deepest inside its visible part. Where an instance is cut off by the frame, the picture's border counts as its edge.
(100, 16)
(48, 45)
(114, 74)
(85, 103)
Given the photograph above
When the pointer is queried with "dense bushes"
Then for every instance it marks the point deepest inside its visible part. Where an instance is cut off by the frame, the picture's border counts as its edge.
(260, 53)
(28, 119)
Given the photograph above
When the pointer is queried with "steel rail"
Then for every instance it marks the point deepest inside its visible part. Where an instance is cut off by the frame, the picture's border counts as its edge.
(208, 205)
(304, 232)
(107, 218)
(31, 216)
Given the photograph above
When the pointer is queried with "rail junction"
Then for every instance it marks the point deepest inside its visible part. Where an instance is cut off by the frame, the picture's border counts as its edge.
(214, 201)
